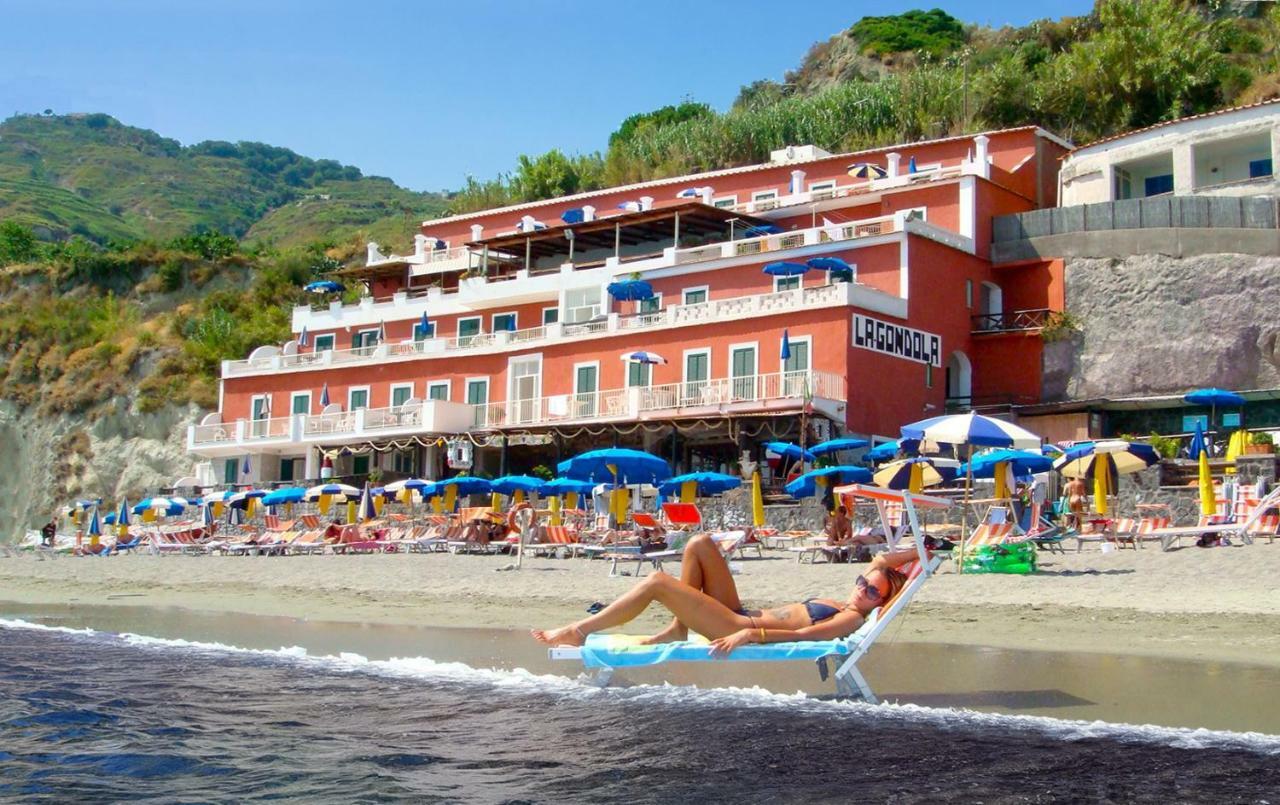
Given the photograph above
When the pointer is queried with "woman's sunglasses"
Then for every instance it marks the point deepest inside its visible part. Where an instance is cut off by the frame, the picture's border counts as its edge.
(872, 591)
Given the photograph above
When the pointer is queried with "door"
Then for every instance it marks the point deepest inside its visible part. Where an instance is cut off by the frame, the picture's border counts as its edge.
(795, 370)
(743, 371)
(525, 387)
(478, 398)
(585, 385)
(261, 413)
(364, 342)
(697, 371)
(286, 469)
(468, 329)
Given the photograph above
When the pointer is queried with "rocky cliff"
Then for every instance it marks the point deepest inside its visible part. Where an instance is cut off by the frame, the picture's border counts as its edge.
(113, 451)
(1152, 324)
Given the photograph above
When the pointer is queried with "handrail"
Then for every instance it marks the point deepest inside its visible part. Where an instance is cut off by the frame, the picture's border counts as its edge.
(1010, 320)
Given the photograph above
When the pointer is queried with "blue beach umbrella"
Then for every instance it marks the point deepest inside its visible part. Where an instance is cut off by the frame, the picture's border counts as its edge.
(289, 494)
(508, 484)
(1023, 462)
(1214, 397)
(759, 230)
(887, 451)
(424, 325)
(630, 290)
(244, 468)
(324, 396)
(708, 483)
(565, 486)
(206, 515)
(323, 286)
(689, 192)
(783, 268)
(302, 338)
(109, 518)
(467, 485)
(617, 463)
(573, 216)
(789, 451)
(95, 526)
(828, 264)
(836, 445)
(785, 352)
(807, 485)
(122, 514)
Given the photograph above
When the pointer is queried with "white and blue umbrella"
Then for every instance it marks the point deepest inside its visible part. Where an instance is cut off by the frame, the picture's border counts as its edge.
(641, 356)
(324, 396)
(339, 490)
(323, 286)
(368, 510)
(972, 429)
(218, 497)
(302, 338)
(783, 268)
(866, 170)
(206, 515)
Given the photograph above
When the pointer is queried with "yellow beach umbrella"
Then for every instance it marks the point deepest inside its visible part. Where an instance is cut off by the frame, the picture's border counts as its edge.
(1199, 450)
(553, 503)
(1101, 474)
(351, 512)
(688, 491)
(437, 504)
(450, 497)
(495, 502)
(324, 504)
(757, 501)
(1003, 492)
(571, 499)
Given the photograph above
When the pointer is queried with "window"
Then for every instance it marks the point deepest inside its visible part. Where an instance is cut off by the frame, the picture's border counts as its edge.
(742, 368)
(360, 464)
(468, 329)
(260, 411)
(358, 398)
(403, 463)
(301, 402)
(421, 334)
(438, 390)
(928, 375)
(1157, 185)
(639, 374)
(550, 315)
(1259, 168)
(725, 202)
(694, 296)
(230, 471)
(586, 382)
(822, 187)
(364, 341)
(697, 371)
(478, 391)
(504, 322)
(652, 305)
(324, 343)
(400, 394)
(581, 304)
(786, 283)
(968, 294)
(799, 360)
(764, 195)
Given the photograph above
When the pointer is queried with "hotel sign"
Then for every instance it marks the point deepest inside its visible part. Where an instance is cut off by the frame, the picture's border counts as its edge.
(896, 340)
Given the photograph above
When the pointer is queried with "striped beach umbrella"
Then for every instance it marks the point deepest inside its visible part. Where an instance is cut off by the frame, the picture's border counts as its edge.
(866, 170)
(913, 474)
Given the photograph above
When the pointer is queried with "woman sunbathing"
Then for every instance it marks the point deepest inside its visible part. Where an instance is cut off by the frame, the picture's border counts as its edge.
(705, 599)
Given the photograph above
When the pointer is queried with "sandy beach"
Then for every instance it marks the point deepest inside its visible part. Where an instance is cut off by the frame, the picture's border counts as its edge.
(1215, 604)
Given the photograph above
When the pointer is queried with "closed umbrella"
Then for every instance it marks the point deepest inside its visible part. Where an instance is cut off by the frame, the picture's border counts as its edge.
(757, 501)
(324, 396)
(1199, 450)
(784, 353)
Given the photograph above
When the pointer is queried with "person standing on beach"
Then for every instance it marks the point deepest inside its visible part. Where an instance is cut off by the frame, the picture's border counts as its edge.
(1076, 495)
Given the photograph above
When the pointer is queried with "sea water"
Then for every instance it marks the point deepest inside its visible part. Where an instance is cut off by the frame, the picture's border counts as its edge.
(90, 715)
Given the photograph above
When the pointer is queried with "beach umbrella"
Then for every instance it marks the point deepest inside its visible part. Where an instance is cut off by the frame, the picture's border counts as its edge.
(324, 396)
(1083, 460)
(95, 525)
(235, 516)
(690, 192)
(757, 501)
(913, 474)
(288, 494)
(338, 490)
(618, 465)
(758, 230)
(644, 357)
(807, 485)
(783, 268)
(630, 206)
(568, 488)
(887, 451)
(1214, 398)
(787, 450)
(784, 352)
(837, 445)
(1022, 462)
(1199, 450)
(630, 290)
(866, 170)
(698, 484)
(516, 486)
(323, 286)
(368, 509)
(828, 264)
(972, 429)
(109, 518)
(466, 485)
(122, 514)
(911, 165)
(206, 515)
(302, 337)
(573, 216)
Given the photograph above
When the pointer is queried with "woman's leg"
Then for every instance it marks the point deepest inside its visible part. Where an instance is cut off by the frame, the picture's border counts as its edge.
(699, 611)
(703, 568)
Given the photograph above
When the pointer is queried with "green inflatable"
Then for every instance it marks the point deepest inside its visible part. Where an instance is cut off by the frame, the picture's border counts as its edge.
(1017, 558)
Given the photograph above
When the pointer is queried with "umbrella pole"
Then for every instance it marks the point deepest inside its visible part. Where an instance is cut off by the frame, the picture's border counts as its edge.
(964, 513)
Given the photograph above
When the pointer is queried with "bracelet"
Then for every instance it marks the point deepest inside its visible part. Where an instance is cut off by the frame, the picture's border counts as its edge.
(761, 634)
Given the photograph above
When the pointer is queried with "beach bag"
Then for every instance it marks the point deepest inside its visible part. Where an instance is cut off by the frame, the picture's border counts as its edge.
(1017, 558)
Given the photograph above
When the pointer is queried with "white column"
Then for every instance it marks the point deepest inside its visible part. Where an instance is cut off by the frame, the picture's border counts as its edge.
(797, 181)
(477, 232)
(588, 213)
(311, 468)
(980, 144)
(419, 245)
(894, 159)
(1184, 170)
(646, 202)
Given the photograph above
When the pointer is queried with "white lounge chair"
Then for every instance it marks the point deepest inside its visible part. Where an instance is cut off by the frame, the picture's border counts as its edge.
(1243, 529)
(604, 653)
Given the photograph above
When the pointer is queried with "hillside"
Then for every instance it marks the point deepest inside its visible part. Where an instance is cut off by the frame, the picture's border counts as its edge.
(93, 176)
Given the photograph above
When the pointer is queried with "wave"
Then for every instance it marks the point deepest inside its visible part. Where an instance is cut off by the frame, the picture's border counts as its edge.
(520, 680)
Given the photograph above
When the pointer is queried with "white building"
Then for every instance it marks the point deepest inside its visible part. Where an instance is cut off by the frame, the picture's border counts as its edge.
(1224, 153)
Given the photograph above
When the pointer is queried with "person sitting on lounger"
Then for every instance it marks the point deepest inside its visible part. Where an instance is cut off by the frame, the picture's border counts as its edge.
(485, 528)
(837, 527)
(705, 599)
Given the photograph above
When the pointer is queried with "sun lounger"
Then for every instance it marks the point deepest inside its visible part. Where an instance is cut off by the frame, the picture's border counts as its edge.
(309, 541)
(558, 538)
(604, 653)
(682, 516)
(1241, 528)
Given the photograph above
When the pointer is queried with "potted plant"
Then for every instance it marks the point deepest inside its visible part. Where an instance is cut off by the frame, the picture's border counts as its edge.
(1260, 444)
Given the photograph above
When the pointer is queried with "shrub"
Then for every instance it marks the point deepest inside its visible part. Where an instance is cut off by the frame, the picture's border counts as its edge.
(1060, 326)
(1165, 446)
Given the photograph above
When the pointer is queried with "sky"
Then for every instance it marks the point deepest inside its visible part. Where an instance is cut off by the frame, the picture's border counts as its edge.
(426, 93)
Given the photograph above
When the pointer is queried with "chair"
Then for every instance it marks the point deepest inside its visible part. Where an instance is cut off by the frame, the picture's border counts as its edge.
(1213, 524)
(989, 534)
(682, 516)
(556, 538)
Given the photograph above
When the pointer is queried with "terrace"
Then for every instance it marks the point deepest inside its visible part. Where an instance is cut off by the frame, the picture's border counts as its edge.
(748, 394)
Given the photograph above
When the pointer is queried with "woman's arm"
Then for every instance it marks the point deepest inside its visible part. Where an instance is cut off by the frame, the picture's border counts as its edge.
(841, 624)
(893, 559)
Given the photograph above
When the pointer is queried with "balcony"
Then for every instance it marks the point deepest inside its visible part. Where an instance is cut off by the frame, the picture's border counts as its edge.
(780, 391)
(837, 294)
(867, 187)
(1009, 321)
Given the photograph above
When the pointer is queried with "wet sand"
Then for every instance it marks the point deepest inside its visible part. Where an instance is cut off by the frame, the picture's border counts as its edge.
(1118, 688)
(1220, 604)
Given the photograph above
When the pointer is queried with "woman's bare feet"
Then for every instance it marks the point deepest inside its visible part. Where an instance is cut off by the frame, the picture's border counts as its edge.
(569, 635)
(673, 633)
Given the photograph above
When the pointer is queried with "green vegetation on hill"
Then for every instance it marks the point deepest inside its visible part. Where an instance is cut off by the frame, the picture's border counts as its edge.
(933, 32)
(93, 176)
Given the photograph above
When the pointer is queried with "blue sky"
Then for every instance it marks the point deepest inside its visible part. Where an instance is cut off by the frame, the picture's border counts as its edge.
(425, 93)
